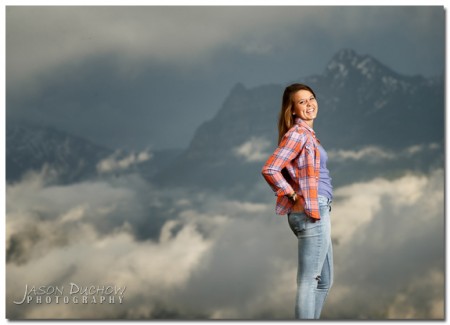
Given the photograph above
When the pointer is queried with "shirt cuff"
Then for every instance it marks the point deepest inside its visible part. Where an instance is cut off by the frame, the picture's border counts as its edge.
(284, 191)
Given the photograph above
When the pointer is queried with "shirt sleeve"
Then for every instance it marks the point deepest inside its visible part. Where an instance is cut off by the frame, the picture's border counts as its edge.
(308, 182)
(287, 150)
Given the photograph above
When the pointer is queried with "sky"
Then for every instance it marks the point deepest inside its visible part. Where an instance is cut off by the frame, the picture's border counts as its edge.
(147, 77)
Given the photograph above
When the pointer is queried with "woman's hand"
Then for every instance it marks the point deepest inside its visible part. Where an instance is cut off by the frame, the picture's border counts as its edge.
(298, 207)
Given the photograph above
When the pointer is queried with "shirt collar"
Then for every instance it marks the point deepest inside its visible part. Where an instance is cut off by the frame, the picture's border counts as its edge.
(302, 123)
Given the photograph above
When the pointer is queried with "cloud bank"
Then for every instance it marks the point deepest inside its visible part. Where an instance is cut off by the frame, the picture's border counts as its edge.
(207, 256)
(391, 235)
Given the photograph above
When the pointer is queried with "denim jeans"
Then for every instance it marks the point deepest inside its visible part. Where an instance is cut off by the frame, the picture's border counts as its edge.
(315, 260)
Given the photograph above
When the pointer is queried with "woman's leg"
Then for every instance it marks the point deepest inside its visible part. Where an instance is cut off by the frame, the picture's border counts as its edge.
(314, 253)
(326, 275)
(325, 282)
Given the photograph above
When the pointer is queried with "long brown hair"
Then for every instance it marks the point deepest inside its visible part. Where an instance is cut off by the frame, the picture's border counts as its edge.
(286, 117)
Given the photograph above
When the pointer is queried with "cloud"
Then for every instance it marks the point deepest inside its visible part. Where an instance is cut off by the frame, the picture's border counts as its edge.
(83, 233)
(372, 151)
(360, 202)
(408, 304)
(116, 163)
(63, 232)
(376, 153)
(253, 150)
(148, 270)
(390, 238)
(41, 38)
(174, 35)
(62, 212)
(212, 256)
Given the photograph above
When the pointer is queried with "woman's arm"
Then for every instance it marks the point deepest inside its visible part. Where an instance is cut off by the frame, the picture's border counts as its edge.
(287, 150)
(309, 179)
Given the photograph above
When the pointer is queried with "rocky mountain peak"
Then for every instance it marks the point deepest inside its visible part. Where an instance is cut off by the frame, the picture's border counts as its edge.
(365, 76)
(346, 64)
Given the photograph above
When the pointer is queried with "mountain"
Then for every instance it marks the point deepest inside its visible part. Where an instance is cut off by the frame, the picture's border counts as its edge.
(367, 111)
(31, 147)
(362, 104)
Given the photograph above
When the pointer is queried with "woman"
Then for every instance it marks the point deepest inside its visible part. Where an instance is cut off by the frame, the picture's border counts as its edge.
(298, 175)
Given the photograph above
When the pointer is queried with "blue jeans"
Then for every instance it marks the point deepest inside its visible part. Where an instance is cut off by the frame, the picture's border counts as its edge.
(315, 260)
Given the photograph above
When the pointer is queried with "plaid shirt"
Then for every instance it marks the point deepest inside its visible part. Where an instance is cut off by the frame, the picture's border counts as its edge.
(298, 153)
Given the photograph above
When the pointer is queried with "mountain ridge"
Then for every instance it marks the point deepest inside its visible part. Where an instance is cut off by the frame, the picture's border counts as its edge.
(32, 147)
(377, 107)
(368, 105)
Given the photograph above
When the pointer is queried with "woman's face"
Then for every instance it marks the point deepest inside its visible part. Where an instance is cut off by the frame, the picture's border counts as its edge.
(305, 105)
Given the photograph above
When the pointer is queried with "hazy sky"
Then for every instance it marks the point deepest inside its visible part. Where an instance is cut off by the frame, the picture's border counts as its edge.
(139, 77)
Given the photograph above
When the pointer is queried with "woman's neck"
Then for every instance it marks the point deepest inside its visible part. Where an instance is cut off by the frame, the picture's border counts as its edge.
(309, 123)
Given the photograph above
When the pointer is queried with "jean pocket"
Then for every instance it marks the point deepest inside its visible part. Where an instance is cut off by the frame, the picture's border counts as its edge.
(297, 222)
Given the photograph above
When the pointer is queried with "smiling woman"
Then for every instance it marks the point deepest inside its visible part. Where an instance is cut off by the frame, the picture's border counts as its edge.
(142, 79)
(298, 175)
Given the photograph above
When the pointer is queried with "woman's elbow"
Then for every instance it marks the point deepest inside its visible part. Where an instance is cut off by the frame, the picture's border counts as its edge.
(267, 171)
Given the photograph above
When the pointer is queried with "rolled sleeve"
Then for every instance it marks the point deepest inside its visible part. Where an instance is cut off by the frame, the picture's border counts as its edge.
(286, 151)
